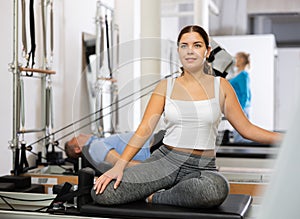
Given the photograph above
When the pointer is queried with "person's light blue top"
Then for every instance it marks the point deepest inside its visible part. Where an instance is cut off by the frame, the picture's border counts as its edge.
(99, 147)
(241, 85)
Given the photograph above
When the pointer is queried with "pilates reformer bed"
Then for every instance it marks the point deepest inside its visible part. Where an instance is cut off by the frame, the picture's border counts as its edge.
(247, 150)
(235, 206)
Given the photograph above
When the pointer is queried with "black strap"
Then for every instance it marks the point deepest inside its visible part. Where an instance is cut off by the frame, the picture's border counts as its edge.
(66, 195)
(107, 46)
(16, 162)
(23, 161)
(216, 50)
(211, 57)
(64, 190)
(32, 36)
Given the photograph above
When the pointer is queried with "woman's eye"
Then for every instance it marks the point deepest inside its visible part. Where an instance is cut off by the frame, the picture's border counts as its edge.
(183, 46)
(197, 46)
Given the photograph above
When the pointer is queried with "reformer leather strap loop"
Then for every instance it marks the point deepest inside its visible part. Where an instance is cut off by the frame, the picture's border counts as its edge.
(108, 47)
(32, 36)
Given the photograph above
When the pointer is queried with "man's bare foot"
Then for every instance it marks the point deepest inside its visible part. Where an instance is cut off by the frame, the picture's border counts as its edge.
(149, 199)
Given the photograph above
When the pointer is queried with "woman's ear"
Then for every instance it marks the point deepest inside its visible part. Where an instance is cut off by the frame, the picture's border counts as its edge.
(208, 52)
(210, 57)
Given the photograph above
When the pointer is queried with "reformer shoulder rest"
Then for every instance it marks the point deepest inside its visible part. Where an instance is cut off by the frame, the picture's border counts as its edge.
(234, 207)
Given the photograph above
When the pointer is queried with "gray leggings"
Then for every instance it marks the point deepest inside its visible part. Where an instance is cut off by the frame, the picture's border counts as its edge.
(175, 178)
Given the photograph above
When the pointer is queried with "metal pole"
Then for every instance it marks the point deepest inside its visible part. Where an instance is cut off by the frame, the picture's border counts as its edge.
(98, 88)
(98, 38)
(45, 91)
(14, 144)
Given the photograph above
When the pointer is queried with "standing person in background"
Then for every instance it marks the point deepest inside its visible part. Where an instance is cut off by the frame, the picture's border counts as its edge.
(241, 84)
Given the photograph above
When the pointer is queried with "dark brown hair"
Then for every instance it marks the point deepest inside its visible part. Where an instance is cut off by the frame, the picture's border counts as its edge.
(70, 150)
(204, 35)
(197, 29)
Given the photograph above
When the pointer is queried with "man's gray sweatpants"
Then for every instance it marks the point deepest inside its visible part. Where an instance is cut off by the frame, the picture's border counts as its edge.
(175, 178)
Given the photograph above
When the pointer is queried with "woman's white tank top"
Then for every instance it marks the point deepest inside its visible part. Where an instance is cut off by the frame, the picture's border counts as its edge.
(192, 124)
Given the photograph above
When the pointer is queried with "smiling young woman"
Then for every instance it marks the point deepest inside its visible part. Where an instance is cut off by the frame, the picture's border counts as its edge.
(182, 171)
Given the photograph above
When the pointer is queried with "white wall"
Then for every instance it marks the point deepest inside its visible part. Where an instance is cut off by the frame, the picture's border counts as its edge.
(78, 17)
(287, 85)
(127, 17)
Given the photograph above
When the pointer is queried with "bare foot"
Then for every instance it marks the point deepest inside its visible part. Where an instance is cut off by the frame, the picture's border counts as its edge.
(150, 198)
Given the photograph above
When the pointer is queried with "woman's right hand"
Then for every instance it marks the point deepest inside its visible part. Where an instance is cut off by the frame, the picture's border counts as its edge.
(114, 173)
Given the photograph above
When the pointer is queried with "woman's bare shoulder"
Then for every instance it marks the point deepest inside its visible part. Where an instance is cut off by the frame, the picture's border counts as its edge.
(161, 87)
(224, 83)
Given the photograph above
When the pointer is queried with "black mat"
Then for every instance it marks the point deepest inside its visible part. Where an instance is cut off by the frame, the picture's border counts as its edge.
(247, 152)
(234, 207)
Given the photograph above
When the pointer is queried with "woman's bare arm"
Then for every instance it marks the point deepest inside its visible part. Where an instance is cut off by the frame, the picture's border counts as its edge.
(235, 115)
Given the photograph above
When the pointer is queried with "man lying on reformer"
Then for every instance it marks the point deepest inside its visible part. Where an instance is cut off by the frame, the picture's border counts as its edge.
(101, 151)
